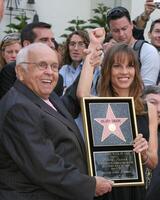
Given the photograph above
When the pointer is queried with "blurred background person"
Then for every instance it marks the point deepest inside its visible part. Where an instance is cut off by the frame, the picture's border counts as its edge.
(10, 46)
(141, 20)
(31, 33)
(121, 27)
(154, 34)
(73, 56)
(1, 8)
(140, 23)
(152, 95)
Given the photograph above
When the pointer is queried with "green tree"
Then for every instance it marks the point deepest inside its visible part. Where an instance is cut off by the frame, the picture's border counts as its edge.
(76, 24)
(17, 27)
(100, 17)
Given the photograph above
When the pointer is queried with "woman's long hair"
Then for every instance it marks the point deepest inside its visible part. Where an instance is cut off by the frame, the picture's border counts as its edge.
(84, 35)
(120, 52)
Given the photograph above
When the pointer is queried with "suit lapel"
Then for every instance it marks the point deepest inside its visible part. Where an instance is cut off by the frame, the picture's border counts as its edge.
(57, 114)
(70, 121)
(61, 114)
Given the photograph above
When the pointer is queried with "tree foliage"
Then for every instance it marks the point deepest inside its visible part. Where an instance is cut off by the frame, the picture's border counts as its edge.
(76, 24)
(17, 27)
(99, 19)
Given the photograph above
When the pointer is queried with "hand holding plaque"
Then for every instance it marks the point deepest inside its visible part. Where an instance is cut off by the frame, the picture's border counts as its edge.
(110, 129)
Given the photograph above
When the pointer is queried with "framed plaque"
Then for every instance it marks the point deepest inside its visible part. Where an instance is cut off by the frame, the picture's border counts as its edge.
(110, 128)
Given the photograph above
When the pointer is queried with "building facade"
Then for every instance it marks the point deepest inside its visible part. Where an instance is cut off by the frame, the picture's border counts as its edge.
(59, 12)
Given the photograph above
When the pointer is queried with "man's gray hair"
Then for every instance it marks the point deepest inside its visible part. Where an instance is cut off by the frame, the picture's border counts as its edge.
(151, 89)
(23, 54)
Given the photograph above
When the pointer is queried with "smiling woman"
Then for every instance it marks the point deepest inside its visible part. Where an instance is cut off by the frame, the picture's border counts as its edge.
(120, 77)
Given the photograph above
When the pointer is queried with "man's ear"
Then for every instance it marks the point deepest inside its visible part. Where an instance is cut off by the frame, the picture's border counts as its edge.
(20, 72)
(26, 43)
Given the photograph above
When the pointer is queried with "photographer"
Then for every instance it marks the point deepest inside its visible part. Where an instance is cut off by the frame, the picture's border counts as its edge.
(140, 22)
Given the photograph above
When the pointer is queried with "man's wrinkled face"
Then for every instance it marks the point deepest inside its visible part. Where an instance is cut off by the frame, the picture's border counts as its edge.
(40, 79)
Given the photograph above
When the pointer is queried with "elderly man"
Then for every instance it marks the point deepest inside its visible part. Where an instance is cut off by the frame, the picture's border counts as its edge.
(42, 154)
(33, 32)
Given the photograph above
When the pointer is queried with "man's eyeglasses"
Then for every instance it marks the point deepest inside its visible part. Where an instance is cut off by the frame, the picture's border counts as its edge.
(44, 65)
(80, 45)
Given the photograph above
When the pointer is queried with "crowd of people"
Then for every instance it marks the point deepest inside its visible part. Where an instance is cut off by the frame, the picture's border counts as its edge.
(42, 147)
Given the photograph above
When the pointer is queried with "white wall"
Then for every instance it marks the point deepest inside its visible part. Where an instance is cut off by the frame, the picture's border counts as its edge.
(59, 12)
(137, 8)
(55, 12)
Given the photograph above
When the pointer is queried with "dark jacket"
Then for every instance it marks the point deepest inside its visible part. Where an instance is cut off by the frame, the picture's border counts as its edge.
(42, 153)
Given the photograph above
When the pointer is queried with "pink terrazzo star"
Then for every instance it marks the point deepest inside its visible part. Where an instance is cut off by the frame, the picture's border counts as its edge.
(111, 125)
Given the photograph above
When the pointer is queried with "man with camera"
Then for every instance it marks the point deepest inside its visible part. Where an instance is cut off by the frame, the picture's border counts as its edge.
(141, 21)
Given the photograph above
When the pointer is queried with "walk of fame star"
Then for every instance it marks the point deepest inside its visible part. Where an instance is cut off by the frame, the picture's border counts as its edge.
(111, 125)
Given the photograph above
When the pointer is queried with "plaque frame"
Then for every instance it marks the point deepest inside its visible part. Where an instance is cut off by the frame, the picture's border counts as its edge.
(112, 157)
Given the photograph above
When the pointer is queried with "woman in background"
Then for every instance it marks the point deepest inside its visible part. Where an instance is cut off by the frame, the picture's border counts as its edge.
(9, 48)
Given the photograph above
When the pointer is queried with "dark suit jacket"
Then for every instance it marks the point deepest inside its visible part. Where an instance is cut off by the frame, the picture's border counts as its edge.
(8, 77)
(153, 192)
(42, 153)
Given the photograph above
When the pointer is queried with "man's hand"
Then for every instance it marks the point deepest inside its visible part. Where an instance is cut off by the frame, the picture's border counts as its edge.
(103, 186)
(94, 56)
(140, 144)
(108, 45)
(96, 36)
(149, 7)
